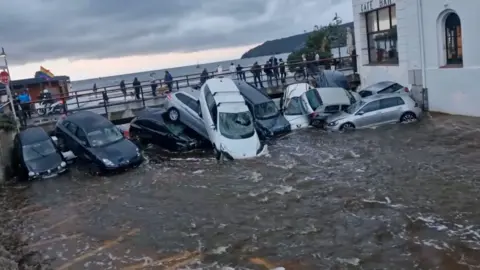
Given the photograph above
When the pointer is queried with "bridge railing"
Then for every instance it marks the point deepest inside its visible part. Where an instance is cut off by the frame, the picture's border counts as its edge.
(108, 97)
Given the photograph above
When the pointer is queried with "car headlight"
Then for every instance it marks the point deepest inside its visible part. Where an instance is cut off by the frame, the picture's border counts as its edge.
(63, 164)
(332, 124)
(108, 162)
(31, 174)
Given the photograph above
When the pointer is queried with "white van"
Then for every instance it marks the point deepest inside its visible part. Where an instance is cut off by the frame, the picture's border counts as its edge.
(228, 121)
(292, 107)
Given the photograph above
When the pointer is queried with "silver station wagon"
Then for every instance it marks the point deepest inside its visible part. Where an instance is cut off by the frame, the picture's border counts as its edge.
(375, 110)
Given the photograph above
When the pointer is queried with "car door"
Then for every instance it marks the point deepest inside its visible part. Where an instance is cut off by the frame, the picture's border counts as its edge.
(81, 144)
(69, 138)
(141, 129)
(392, 109)
(369, 115)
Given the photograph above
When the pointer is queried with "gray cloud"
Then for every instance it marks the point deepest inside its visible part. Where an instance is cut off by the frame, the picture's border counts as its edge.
(36, 30)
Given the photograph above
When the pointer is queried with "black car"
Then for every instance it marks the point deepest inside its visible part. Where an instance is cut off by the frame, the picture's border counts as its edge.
(154, 126)
(269, 122)
(93, 138)
(36, 156)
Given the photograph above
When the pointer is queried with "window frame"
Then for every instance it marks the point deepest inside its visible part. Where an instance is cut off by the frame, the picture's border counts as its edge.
(387, 41)
(456, 39)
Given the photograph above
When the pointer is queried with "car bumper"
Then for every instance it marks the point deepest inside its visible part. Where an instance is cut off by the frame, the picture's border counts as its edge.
(125, 166)
(48, 174)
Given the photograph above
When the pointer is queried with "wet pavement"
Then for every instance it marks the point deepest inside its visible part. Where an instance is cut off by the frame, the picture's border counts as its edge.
(395, 197)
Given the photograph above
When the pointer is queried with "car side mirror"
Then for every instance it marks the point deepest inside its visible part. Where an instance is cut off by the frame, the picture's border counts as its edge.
(360, 113)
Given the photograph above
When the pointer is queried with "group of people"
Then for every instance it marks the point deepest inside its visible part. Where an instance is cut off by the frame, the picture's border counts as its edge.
(137, 86)
(273, 68)
(22, 106)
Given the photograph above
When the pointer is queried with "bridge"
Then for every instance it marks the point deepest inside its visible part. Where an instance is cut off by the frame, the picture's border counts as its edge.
(111, 103)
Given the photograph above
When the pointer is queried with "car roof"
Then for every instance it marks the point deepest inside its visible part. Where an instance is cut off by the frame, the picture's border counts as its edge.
(233, 107)
(297, 89)
(88, 120)
(382, 96)
(252, 94)
(189, 94)
(379, 86)
(32, 135)
(225, 91)
(333, 95)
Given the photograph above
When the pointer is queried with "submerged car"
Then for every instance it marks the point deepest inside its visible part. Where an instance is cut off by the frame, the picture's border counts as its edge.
(155, 126)
(385, 87)
(228, 121)
(36, 156)
(292, 106)
(269, 122)
(184, 107)
(375, 110)
(319, 103)
(96, 140)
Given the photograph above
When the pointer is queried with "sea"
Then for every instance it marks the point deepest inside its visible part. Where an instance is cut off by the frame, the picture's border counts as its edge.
(175, 71)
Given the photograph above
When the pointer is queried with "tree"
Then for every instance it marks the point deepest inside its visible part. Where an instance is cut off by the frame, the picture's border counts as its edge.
(319, 41)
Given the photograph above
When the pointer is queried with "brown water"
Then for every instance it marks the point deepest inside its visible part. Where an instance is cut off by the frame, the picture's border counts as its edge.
(397, 197)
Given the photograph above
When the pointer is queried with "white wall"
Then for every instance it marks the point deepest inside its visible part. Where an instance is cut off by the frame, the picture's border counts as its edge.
(451, 90)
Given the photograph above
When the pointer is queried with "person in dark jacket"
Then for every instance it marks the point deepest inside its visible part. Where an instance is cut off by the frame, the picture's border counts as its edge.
(241, 73)
(256, 70)
(138, 87)
(275, 69)
(283, 73)
(153, 84)
(267, 69)
(21, 114)
(203, 76)
(168, 79)
(123, 88)
(95, 89)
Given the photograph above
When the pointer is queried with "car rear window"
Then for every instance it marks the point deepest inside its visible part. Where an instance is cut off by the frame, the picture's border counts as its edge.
(391, 89)
(331, 109)
(314, 99)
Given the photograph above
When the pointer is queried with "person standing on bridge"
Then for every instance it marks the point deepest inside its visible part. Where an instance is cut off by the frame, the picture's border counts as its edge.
(137, 86)
(256, 70)
(283, 73)
(275, 69)
(95, 89)
(25, 99)
(168, 79)
(123, 88)
(203, 76)
(153, 85)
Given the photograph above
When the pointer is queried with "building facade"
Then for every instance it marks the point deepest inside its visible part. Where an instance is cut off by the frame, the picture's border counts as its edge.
(429, 44)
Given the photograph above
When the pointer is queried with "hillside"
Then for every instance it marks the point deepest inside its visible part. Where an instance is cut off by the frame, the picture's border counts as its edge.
(287, 44)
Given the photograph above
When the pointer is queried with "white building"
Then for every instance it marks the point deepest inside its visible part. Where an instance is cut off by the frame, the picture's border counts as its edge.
(425, 43)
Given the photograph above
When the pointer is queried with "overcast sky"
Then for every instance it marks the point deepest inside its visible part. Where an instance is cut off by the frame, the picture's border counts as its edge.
(64, 32)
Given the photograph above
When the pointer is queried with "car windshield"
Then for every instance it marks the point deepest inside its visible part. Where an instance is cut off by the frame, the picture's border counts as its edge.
(266, 110)
(38, 150)
(294, 107)
(354, 107)
(236, 125)
(314, 99)
(104, 136)
(350, 97)
(177, 129)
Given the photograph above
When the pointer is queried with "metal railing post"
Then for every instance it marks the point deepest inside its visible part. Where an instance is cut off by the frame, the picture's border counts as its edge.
(143, 98)
(188, 83)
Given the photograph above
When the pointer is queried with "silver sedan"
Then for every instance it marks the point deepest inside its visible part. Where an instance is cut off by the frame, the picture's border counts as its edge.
(375, 110)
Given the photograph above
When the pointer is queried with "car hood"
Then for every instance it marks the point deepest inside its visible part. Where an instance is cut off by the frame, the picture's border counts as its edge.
(44, 164)
(337, 116)
(274, 124)
(241, 149)
(118, 152)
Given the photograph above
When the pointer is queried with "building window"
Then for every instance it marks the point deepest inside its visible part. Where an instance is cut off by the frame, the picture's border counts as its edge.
(453, 39)
(382, 36)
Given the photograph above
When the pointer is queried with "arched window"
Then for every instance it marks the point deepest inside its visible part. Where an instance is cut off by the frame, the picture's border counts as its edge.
(453, 39)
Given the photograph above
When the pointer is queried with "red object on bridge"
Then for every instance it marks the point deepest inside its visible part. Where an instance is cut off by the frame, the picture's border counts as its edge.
(4, 77)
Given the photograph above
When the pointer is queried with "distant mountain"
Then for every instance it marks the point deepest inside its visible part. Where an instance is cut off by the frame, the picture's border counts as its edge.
(288, 44)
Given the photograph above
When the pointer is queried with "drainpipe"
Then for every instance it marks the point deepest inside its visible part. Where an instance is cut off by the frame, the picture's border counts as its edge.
(422, 53)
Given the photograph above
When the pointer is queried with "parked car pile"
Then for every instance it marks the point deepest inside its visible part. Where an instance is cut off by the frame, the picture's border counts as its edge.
(233, 118)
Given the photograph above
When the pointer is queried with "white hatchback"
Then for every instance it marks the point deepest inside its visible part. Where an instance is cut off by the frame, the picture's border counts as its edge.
(292, 107)
(228, 121)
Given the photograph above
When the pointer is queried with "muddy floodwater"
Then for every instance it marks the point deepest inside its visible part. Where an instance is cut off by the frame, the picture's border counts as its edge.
(396, 197)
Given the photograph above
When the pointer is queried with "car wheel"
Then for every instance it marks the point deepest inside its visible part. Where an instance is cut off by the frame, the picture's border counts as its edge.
(408, 117)
(347, 127)
(317, 123)
(173, 114)
(41, 111)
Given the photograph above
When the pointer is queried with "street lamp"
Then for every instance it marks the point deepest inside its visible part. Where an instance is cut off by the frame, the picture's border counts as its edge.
(7, 86)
